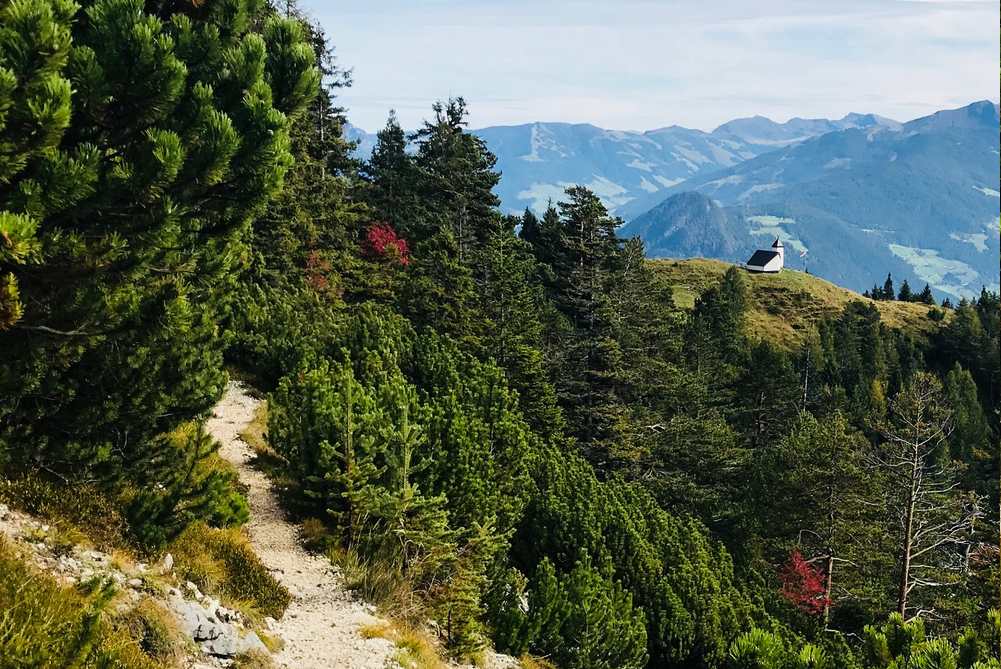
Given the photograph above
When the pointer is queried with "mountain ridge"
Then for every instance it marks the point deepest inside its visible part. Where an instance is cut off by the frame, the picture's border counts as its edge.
(540, 159)
(921, 202)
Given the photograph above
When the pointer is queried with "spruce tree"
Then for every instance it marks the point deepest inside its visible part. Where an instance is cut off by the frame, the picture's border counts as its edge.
(767, 393)
(821, 464)
(530, 230)
(512, 306)
(584, 261)
(393, 177)
(905, 294)
(456, 175)
(925, 296)
(971, 432)
(715, 338)
(888, 293)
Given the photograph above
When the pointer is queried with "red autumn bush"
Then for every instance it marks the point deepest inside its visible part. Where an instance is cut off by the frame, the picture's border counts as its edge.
(317, 269)
(803, 585)
(381, 241)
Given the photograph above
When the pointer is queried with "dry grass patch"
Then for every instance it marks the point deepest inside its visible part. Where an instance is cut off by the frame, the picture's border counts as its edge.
(529, 662)
(45, 624)
(255, 435)
(156, 631)
(223, 563)
(80, 510)
(416, 649)
(254, 659)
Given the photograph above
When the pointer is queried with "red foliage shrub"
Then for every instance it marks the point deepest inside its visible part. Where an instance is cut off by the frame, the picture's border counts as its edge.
(381, 241)
(803, 585)
(317, 268)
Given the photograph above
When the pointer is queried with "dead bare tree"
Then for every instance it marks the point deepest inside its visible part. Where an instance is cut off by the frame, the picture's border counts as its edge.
(934, 514)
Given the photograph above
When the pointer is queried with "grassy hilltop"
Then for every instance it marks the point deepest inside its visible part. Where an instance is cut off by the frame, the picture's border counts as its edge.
(785, 306)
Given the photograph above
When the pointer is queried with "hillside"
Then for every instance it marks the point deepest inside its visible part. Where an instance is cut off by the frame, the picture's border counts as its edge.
(784, 306)
(465, 438)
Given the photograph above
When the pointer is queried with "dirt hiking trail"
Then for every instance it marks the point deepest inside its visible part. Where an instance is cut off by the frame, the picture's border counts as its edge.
(321, 628)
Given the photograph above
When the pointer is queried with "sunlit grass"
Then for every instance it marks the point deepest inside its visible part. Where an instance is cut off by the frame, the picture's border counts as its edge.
(786, 306)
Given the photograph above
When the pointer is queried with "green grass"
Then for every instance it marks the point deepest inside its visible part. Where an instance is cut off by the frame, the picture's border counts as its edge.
(44, 624)
(785, 307)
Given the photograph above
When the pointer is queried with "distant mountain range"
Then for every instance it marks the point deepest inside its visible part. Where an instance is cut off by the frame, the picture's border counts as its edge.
(852, 198)
(920, 200)
(539, 160)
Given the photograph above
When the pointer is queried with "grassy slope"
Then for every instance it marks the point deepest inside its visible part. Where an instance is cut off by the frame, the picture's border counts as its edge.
(785, 306)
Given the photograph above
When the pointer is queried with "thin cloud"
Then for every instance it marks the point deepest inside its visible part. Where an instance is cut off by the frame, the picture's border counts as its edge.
(643, 64)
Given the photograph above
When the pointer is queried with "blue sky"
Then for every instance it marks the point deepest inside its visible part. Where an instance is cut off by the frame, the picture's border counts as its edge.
(641, 64)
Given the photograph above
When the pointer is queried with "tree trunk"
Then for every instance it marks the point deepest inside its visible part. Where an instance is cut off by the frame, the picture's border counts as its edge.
(905, 569)
(828, 587)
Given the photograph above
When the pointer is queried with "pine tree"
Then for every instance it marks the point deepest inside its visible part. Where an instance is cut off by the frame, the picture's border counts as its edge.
(35, 94)
(925, 296)
(330, 428)
(582, 620)
(905, 294)
(132, 203)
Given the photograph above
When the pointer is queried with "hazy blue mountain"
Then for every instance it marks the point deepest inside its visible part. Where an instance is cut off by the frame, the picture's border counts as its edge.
(690, 224)
(762, 131)
(920, 200)
(539, 160)
(365, 140)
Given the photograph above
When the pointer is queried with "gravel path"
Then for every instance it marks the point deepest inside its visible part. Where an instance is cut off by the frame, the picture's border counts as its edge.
(321, 626)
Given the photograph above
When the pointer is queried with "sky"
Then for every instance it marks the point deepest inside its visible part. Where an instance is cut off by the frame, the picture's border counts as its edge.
(644, 64)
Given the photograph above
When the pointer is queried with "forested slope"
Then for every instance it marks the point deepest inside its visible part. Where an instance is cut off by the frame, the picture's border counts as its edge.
(507, 422)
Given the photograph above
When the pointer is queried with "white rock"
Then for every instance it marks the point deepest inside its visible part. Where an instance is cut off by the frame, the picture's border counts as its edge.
(167, 564)
(215, 637)
(135, 583)
(193, 590)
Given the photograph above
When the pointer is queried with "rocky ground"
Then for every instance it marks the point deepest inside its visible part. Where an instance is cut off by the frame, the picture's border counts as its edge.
(218, 633)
